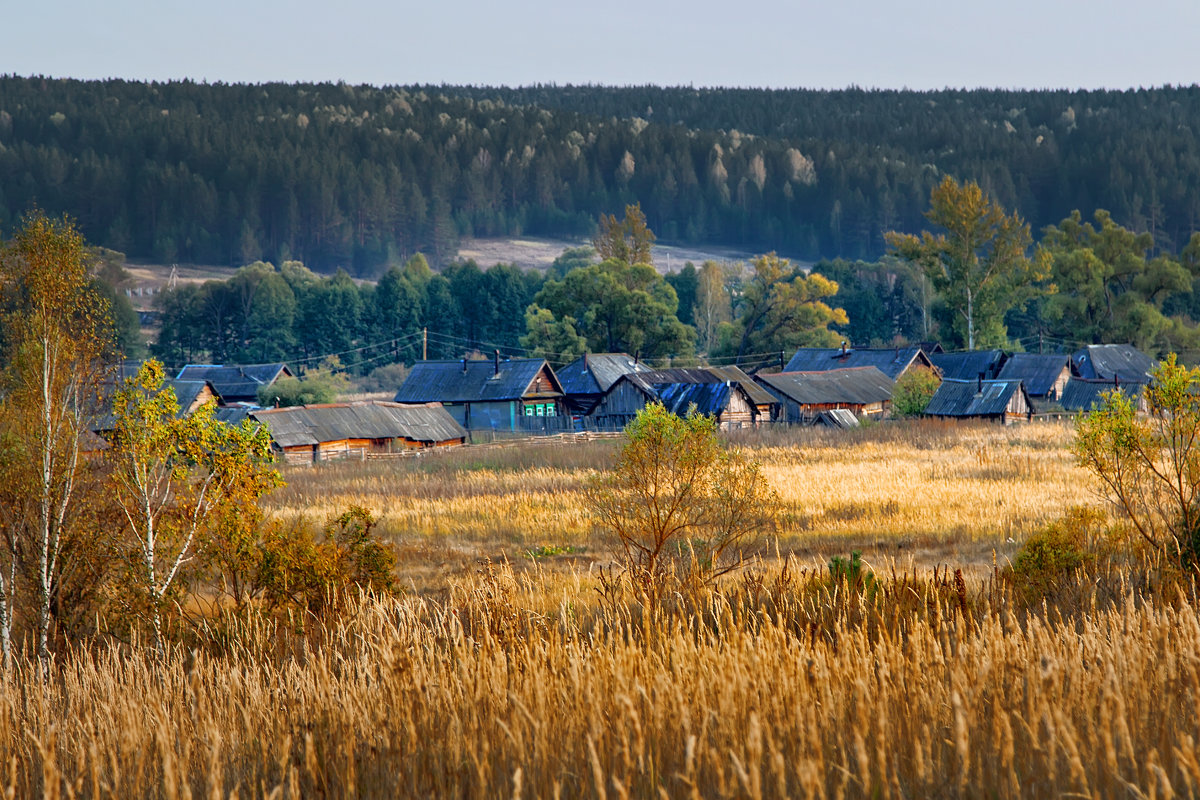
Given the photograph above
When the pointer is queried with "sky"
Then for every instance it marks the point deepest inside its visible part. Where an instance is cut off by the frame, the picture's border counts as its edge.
(915, 44)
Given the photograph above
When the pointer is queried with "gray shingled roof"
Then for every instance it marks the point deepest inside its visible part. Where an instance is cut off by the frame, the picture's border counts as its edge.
(1037, 371)
(853, 386)
(1082, 394)
(891, 361)
(706, 387)
(234, 382)
(968, 364)
(955, 398)
(473, 381)
(595, 372)
(305, 425)
(1106, 361)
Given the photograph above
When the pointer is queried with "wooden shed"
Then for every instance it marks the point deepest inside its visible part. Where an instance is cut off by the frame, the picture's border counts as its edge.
(1044, 375)
(726, 393)
(235, 383)
(306, 434)
(999, 400)
(586, 379)
(802, 396)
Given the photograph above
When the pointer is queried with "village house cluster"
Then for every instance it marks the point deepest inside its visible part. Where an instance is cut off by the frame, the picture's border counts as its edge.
(446, 403)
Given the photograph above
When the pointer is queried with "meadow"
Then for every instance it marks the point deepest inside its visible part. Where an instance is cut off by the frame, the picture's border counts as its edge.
(513, 663)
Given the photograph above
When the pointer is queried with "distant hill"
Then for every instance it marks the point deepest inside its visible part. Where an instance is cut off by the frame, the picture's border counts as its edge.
(359, 176)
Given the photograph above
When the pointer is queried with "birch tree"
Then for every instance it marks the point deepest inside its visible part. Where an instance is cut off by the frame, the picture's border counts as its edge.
(56, 335)
(981, 264)
(172, 475)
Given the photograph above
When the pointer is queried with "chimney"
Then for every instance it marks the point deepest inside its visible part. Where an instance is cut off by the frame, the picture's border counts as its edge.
(782, 364)
(1116, 380)
(979, 384)
(585, 362)
(843, 348)
(497, 363)
(464, 365)
(637, 356)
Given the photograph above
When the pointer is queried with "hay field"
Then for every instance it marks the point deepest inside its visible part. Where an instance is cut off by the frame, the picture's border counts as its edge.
(924, 493)
(939, 677)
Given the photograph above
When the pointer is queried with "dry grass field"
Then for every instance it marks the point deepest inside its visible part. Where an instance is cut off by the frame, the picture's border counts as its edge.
(913, 494)
(535, 678)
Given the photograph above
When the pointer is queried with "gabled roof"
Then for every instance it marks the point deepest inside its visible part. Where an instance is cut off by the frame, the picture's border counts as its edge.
(967, 365)
(707, 387)
(475, 381)
(187, 392)
(333, 422)
(1081, 394)
(1038, 371)
(853, 386)
(1108, 361)
(234, 381)
(595, 372)
(891, 361)
(955, 398)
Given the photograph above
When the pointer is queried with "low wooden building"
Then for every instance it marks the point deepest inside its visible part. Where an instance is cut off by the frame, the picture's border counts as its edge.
(235, 383)
(1083, 395)
(586, 379)
(520, 394)
(1110, 362)
(1044, 375)
(726, 393)
(967, 365)
(999, 400)
(802, 396)
(891, 361)
(307, 434)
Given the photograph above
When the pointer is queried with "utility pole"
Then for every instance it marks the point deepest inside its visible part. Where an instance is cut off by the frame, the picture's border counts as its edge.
(424, 344)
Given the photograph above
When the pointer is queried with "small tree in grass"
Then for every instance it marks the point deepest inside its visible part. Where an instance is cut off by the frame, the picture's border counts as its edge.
(1149, 465)
(678, 499)
(174, 476)
(913, 391)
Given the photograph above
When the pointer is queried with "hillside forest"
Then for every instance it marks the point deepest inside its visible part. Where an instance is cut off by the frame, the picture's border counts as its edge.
(348, 203)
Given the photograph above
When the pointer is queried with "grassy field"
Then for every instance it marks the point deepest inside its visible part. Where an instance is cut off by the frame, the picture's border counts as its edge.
(913, 494)
(507, 667)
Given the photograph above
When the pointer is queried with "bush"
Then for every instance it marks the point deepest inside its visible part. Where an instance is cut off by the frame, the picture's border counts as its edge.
(913, 391)
(677, 502)
(1055, 552)
(318, 386)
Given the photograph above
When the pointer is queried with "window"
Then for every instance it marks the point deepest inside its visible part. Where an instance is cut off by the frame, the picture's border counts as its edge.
(529, 411)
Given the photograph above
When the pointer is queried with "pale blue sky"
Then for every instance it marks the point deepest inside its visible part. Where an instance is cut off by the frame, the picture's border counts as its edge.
(920, 44)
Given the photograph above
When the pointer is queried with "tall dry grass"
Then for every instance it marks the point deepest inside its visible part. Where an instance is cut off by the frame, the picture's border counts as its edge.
(928, 490)
(779, 685)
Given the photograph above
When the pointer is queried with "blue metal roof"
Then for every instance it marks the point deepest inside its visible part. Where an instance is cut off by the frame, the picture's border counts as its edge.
(474, 381)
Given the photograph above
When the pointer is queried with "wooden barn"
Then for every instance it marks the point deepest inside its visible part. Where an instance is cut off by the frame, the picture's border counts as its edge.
(967, 365)
(891, 361)
(307, 434)
(586, 379)
(726, 393)
(1044, 375)
(520, 394)
(1111, 362)
(1083, 395)
(802, 396)
(235, 383)
(999, 400)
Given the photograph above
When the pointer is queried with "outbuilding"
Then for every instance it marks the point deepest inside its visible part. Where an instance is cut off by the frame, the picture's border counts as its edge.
(1003, 401)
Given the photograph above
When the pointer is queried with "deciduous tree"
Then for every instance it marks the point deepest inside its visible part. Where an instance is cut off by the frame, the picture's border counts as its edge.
(981, 264)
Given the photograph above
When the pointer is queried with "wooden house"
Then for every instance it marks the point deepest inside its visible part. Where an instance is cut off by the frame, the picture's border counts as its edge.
(1000, 400)
(802, 396)
(1081, 394)
(891, 361)
(967, 365)
(726, 393)
(520, 394)
(1044, 375)
(235, 383)
(1109, 362)
(307, 434)
(585, 380)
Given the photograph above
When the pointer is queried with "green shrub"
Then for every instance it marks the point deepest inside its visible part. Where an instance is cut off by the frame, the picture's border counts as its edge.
(913, 391)
(1054, 553)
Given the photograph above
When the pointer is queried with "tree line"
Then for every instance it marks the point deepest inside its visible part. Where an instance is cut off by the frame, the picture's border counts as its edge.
(362, 177)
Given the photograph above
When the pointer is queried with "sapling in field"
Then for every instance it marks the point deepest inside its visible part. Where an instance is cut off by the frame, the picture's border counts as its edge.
(678, 500)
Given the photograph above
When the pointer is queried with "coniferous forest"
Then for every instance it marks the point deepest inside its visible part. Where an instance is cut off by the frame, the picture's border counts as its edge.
(361, 177)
